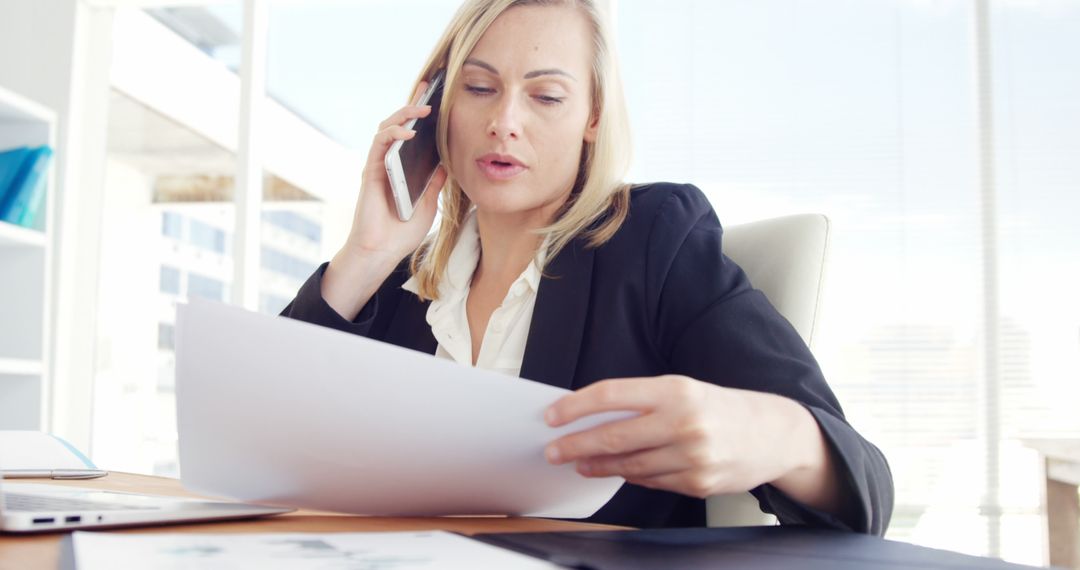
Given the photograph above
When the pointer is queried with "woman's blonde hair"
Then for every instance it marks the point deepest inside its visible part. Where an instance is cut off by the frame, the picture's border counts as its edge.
(599, 201)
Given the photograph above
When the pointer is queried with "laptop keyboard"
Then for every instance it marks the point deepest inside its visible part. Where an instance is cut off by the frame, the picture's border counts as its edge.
(33, 503)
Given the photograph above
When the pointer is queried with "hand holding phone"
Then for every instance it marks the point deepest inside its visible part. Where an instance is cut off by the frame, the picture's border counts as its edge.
(379, 239)
(411, 163)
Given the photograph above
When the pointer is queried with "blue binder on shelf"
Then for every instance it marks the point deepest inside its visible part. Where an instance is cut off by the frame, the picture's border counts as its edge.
(11, 162)
(22, 184)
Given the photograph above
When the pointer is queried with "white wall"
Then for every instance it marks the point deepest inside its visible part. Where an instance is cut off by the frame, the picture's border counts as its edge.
(41, 33)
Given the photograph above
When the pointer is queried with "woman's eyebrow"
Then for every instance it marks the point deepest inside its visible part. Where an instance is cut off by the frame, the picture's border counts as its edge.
(530, 75)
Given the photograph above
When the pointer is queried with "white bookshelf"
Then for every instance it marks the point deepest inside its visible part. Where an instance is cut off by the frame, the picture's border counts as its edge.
(16, 236)
(25, 280)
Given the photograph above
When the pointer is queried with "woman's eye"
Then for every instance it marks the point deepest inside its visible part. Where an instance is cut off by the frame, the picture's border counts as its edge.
(549, 99)
(477, 90)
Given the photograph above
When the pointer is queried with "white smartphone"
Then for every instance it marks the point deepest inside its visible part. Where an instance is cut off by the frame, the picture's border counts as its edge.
(411, 163)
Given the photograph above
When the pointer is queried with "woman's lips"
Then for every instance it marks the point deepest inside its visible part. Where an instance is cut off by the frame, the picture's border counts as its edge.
(498, 169)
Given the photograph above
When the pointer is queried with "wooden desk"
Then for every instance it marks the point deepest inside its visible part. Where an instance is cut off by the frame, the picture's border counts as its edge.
(1062, 463)
(25, 552)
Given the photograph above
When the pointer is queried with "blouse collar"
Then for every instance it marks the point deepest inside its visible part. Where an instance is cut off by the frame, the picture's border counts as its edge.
(462, 264)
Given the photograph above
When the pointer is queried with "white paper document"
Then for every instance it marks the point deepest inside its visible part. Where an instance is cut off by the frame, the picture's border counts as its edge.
(277, 411)
(293, 551)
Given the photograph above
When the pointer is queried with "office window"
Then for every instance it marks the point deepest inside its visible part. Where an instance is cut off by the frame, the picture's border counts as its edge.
(170, 280)
(865, 111)
(284, 264)
(205, 287)
(294, 223)
(169, 212)
(291, 246)
(313, 64)
(166, 336)
(206, 237)
(172, 225)
(314, 70)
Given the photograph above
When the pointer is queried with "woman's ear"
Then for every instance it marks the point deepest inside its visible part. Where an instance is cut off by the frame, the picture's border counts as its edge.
(592, 128)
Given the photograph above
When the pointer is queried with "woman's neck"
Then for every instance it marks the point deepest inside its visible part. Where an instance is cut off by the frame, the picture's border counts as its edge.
(508, 243)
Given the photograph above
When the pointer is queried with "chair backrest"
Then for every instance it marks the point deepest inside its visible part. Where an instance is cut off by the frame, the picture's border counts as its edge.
(785, 259)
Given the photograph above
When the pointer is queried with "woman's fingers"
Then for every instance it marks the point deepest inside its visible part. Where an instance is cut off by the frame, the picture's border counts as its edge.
(388, 135)
(645, 464)
(613, 438)
(404, 114)
(621, 394)
(381, 143)
(392, 129)
(413, 111)
(691, 438)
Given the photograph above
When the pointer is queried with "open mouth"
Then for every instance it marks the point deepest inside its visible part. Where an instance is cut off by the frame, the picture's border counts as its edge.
(498, 167)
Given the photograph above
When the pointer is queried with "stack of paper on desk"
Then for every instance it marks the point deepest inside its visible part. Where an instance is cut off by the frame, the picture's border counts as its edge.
(278, 411)
(298, 551)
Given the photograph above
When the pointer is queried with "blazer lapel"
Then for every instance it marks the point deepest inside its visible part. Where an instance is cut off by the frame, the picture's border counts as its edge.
(558, 322)
(409, 326)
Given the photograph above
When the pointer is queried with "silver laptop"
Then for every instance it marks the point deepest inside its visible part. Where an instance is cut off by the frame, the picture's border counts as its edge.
(29, 507)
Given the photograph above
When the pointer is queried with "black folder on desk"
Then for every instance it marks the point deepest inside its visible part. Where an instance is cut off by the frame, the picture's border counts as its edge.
(744, 548)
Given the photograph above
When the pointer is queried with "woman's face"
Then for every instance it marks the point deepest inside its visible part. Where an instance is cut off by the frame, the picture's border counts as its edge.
(522, 111)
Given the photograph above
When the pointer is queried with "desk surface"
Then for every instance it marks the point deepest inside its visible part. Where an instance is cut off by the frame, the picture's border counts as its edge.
(41, 551)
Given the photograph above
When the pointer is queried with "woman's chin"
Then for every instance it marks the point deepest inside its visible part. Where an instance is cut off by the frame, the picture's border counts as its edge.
(505, 200)
(498, 200)
(500, 207)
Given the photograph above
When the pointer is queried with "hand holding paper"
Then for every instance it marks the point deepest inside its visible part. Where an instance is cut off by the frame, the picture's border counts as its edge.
(283, 412)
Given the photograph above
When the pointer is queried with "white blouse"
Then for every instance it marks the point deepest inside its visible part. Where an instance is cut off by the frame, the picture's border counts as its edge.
(503, 344)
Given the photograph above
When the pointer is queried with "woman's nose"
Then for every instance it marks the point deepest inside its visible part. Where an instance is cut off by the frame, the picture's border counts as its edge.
(505, 122)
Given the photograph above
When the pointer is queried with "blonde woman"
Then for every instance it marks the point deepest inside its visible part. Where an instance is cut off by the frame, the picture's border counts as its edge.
(545, 265)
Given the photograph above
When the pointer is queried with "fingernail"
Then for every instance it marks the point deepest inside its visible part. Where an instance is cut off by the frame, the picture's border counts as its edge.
(552, 454)
(584, 467)
(550, 416)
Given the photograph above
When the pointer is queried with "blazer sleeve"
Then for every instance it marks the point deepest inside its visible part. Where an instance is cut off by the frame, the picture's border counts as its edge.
(713, 326)
(309, 305)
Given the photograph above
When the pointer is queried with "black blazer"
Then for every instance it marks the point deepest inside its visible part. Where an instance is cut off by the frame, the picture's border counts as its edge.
(659, 297)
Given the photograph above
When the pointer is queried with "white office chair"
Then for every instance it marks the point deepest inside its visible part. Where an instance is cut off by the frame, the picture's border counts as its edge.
(785, 259)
